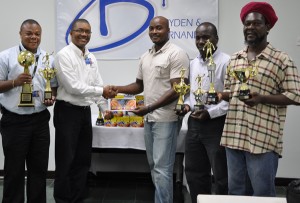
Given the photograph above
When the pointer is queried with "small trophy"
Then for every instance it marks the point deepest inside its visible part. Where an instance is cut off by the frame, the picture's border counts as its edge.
(48, 73)
(26, 59)
(181, 89)
(198, 94)
(243, 75)
(100, 120)
(212, 97)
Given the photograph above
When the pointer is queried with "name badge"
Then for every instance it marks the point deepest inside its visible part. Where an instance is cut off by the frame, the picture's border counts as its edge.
(88, 61)
(35, 94)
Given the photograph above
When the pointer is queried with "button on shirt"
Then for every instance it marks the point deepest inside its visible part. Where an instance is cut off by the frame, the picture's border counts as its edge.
(198, 67)
(10, 69)
(156, 69)
(259, 129)
(78, 76)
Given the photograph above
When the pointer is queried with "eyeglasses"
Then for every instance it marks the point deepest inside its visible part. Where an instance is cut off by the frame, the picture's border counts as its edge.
(88, 32)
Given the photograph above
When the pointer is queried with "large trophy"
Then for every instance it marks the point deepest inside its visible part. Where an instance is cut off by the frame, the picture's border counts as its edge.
(181, 89)
(212, 97)
(48, 73)
(199, 94)
(243, 75)
(26, 59)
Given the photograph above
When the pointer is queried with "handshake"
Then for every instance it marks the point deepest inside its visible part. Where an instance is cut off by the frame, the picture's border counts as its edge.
(109, 91)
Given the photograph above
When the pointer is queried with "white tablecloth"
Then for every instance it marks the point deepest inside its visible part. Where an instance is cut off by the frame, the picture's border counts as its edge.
(238, 199)
(127, 137)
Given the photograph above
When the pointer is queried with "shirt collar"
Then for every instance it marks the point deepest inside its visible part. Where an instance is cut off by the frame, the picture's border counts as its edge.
(266, 53)
(201, 59)
(78, 51)
(38, 51)
(165, 47)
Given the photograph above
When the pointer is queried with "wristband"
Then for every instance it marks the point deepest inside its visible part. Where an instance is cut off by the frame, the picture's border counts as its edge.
(13, 83)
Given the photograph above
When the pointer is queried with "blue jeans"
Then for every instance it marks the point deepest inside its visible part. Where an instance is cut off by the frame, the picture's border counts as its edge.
(161, 141)
(251, 174)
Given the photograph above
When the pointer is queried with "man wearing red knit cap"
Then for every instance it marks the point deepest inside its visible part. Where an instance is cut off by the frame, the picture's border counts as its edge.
(253, 128)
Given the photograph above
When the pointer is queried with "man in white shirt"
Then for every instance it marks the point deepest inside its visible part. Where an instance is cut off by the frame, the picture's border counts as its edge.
(203, 152)
(80, 85)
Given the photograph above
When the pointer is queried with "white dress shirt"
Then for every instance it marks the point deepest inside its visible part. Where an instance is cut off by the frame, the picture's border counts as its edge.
(78, 76)
(198, 67)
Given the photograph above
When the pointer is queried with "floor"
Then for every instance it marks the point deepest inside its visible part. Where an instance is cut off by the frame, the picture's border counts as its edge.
(116, 188)
(123, 188)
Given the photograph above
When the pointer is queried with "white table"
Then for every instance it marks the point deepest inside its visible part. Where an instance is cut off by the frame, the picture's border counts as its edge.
(238, 199)
(128, 139)
(125, 139)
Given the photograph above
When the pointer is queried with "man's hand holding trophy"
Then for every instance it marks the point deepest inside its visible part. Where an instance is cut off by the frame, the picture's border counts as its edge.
(26, 59)
(212, 97)
(181, 89)
(243, 75)
(48, 73)
(199, 94)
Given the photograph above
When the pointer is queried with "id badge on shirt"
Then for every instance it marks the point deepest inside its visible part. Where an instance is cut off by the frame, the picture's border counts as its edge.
(88, 61)
(35, 93)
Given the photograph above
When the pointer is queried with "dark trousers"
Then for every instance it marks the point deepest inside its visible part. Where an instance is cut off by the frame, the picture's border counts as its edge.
(25, 140)
(73, 148)
(203, 153)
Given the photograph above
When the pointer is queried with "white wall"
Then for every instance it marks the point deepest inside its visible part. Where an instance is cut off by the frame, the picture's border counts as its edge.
(283, 36)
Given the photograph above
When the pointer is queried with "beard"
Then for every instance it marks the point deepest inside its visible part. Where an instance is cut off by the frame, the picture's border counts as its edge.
(255, 41)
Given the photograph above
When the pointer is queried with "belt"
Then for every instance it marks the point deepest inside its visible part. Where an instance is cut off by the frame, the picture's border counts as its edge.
(62, 102)
(5, 111)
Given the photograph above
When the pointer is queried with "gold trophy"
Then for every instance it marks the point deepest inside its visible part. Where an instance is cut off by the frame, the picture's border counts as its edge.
(48, 73)
(181, 89)
(212, 97)
(243, 75)
(198, 94)
(26, 59)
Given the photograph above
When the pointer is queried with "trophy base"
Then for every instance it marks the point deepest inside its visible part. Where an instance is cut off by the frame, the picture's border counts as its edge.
(198, 107)
(179, 107)
(99, 122)
(26, 105)
(212, 98)
(244, 95)
(26, 100)
(47, 95)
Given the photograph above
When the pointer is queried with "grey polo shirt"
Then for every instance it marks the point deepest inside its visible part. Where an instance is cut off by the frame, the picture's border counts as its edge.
(156, 69)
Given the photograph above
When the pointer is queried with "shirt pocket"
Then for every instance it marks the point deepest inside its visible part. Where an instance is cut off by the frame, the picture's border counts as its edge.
(162, 70)
(91, 74)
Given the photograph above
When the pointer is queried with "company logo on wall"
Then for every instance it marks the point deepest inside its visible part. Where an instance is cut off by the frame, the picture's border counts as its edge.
(120, 27)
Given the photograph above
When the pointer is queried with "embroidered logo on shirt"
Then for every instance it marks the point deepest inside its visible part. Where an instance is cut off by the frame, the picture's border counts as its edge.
(88, 61)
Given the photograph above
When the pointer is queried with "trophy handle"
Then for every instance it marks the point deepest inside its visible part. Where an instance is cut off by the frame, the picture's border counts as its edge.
(229, 71)
(254, 71)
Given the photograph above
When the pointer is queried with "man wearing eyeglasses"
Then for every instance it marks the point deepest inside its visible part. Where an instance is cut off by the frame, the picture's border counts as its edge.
(80, 85)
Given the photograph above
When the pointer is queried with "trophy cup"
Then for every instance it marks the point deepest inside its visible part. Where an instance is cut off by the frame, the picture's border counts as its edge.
(212, 97)
(26, 59)
(181, 89)
(48, 73)
(243, 75)
(198, 94)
